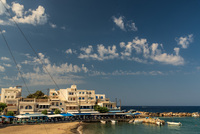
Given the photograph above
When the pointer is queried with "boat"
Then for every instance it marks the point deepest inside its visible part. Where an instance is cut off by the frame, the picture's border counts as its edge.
(103, 122)
(113, 121)
(137, 121)
(159, 123)
(174, 123)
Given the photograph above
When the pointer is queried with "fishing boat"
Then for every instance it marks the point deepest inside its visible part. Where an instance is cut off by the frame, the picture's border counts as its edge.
(113, 121)
(103, 122)
(174, 123)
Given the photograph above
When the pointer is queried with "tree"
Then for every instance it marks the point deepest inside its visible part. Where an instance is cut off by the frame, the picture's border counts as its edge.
(10, 113)
(44, 112)
(2, 106)
(101, 109)
(57, 111)
(37, 95)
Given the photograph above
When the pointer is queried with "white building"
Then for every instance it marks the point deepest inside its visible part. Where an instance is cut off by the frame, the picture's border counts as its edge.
(11, 97)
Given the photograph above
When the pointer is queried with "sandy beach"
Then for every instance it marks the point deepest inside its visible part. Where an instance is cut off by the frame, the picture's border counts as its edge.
(57, 128)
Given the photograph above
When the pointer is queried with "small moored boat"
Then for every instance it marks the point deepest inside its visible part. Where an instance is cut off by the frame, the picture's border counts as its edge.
(103, 122)
(174, 123)
(113, 121)
(159, 123)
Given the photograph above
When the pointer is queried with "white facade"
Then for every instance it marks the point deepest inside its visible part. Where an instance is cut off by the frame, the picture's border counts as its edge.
(10, 93)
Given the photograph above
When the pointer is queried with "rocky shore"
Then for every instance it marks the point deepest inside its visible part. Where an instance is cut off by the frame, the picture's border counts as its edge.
(168, 114)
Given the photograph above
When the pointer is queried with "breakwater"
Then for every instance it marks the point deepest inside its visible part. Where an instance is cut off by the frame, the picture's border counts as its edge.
(168, 114)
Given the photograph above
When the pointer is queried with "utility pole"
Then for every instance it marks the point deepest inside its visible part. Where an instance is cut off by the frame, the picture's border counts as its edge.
(48, 92)
(120, 104)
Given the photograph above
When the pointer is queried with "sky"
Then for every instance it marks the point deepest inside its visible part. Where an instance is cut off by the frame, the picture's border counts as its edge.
(142, 52)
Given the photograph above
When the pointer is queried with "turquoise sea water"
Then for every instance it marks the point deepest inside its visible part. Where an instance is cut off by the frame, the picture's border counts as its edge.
(190, 125)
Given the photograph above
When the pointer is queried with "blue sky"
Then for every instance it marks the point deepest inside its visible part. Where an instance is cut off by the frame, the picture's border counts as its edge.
(142, 52)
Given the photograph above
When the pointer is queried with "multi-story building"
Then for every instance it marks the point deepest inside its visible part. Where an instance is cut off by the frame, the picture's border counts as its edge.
(66, 100)
(11, 97)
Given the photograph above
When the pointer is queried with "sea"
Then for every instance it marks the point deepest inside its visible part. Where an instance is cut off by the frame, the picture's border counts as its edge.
(190, 125)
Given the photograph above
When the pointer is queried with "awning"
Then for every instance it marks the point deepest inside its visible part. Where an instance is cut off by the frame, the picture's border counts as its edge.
(82, 113)
(35, 115)
(55, 115)
(21, 116)
(8, 116)
(66, 114)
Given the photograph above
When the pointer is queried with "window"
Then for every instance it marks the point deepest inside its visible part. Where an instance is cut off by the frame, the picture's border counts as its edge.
(5, 96)
(79, 98)
(60, 103)
(86, 92)
(83, 92)
(21, 107)
(8, 96)
(90, 93)
(74, 99)
(83, 98)
(96, 97)
(71, 93)
(28, 107)
(53, 94)
(79, 92)
(52, 103)
(101, 97)
(12, 96)
(37, 106)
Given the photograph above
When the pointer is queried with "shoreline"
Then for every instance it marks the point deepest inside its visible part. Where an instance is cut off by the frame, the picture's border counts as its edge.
(54, 128)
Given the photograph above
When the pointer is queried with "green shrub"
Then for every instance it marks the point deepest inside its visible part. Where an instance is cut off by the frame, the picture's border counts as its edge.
(10, 113)
(101, 109)
(57, 111)
(44, 112)
(2, 106)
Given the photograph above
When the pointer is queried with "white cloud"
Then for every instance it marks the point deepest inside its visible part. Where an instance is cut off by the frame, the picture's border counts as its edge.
(2, 8)
(3, 31)
(165, 58)
(70, 51)
(138, 50)
(2, 69)
(119, 22)
(62, 74)
(131, 26)
(125, 26)
(52, 25)
(102, 52)
(124, 73)
(7, 65)
(185, 41)
(34, 17)
(18, 9)
(5, 58)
